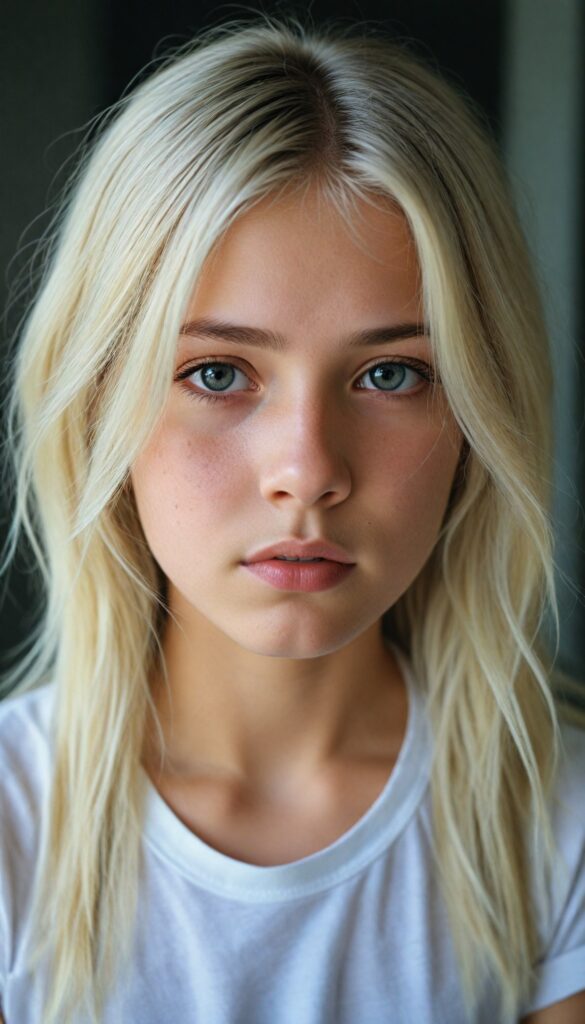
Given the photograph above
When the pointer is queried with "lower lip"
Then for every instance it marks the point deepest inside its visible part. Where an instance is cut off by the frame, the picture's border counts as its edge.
(306, 577)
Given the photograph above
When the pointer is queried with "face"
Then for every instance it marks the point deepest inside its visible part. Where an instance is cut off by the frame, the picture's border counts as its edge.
(318, 439)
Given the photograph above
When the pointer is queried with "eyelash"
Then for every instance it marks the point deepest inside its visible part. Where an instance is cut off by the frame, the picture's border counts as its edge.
(421, 368)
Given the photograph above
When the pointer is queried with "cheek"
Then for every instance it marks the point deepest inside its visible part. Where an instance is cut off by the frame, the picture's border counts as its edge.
(182, 488)
(413, 474)
(420, 456)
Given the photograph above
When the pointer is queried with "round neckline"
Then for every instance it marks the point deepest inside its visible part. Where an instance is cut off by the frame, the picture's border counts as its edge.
(384, 820)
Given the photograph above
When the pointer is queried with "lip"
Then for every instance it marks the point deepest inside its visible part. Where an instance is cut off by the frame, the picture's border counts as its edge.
(301, 549)
(305, 577)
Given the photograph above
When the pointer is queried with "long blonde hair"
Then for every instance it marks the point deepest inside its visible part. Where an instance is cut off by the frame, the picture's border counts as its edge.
(246, 110)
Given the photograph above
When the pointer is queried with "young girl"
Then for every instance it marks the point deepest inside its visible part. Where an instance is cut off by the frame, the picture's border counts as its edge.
(288, 745)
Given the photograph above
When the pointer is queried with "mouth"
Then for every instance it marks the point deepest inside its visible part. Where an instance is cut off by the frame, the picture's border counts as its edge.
(305, 576)
(293, 551)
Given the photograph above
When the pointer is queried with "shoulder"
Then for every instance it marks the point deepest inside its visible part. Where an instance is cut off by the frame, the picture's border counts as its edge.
(567, 803)
(572, 760)
(33, 706)
(25, 741)
(560, 969)
(25, 762)
(568, 810)
(25, 770)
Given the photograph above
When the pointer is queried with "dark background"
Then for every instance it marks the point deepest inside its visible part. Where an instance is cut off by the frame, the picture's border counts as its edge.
(65, 61)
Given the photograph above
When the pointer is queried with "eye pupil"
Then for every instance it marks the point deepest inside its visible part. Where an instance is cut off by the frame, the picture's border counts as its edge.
(385, 373)
(215, 374)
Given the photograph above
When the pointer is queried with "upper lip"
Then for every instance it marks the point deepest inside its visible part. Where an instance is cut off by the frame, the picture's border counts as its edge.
(302, 549)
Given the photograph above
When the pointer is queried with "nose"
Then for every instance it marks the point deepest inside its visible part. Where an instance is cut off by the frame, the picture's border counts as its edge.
(303, 461)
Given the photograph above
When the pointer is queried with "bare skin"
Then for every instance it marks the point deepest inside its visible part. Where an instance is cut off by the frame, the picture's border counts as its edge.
(278, 825)
(286, 711)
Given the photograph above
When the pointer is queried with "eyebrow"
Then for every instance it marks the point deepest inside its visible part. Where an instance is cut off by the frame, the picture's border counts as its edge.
(238, 334)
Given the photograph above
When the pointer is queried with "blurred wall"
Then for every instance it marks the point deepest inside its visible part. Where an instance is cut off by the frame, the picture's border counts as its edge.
(52, 79)
(543, 144)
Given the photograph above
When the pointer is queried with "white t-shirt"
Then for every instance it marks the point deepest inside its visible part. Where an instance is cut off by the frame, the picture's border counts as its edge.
(354, 934)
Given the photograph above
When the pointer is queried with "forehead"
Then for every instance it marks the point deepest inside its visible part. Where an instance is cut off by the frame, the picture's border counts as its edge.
(299, 254)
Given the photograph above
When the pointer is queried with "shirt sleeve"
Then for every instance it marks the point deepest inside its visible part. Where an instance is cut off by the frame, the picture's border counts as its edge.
(4, 929)
(561, 970)
(3, 953)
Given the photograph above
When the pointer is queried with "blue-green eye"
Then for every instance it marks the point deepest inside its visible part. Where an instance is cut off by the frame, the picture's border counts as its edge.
(388, 377)
(218, 376)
